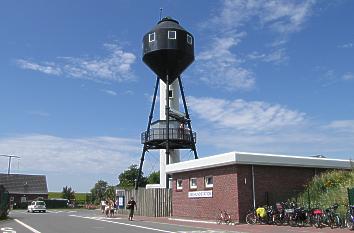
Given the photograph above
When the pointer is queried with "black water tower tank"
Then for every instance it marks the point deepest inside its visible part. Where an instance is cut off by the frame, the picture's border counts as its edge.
(168, 49)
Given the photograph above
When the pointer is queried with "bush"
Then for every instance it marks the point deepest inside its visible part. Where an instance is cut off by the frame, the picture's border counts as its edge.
(328, 188)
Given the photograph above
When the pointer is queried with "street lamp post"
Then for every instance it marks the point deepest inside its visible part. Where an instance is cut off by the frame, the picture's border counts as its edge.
(10, 158)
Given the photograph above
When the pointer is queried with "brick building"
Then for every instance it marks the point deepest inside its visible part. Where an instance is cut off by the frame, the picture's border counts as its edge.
(24, 188)
(237, 181)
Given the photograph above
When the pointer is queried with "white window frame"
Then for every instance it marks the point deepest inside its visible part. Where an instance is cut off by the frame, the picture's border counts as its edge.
(189, 39)
(206, 181)
(191, 186)
(152, 37)
(178, 186)
(172, 35)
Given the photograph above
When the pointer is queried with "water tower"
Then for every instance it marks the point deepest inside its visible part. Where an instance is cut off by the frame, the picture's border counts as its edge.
(168, 49)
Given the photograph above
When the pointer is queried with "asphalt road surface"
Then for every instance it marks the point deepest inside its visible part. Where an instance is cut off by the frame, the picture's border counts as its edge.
(84, 221)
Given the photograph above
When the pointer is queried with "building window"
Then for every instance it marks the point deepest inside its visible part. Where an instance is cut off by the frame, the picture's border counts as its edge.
(193, 183)
(179, 183)
(172, 35)
(189, 39)
(152, 37)
(208, 181)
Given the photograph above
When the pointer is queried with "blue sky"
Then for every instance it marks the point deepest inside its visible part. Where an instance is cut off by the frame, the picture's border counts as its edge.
(269, 76)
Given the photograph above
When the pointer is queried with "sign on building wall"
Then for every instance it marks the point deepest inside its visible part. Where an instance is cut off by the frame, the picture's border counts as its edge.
(199, 194)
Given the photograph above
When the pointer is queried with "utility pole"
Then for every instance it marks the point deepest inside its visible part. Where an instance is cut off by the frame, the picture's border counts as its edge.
(10, 158)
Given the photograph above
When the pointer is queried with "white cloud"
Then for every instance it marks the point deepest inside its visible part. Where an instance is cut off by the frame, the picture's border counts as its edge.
(219, 65)
(47, 68)
(39, 113)
(115, 66)
(348, 76)
(342, 125)
(276, 56)
(109, 92)
(46, 153)
(347, 46)
(281, 16)
(252, 116)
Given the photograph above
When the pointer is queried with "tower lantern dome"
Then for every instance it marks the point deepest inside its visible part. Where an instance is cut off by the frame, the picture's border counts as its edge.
(168, 49)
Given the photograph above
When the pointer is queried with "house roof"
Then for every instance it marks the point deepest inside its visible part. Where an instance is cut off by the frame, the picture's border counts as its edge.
(24, 184)
(257, 159)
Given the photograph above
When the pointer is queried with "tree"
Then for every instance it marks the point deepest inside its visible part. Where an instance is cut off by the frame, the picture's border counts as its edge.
(154, 178)
(68, 193)
(110, 192)
(98, 191)
(127, 178)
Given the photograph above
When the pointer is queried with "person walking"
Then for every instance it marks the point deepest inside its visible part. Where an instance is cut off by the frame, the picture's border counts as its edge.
(131, 206)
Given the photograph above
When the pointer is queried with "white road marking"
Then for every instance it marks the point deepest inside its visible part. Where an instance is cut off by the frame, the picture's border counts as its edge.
(7, 230)
(102, 219)
(28, 227)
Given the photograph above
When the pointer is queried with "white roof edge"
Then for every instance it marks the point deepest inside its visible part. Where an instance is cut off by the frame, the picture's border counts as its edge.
(257, 159)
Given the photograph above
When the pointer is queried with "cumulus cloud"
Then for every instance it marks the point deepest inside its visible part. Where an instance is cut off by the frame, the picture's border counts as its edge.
(116, 66)
(248, 116)
(228, 125)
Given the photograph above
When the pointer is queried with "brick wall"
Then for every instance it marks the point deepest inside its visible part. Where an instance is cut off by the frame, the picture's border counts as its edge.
(272, 184)
(232, 189)
(224, 194)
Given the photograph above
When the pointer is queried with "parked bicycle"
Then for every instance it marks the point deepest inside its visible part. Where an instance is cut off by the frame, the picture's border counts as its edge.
(328, 217)
(223, 217)
(350, 218)
(262, 215)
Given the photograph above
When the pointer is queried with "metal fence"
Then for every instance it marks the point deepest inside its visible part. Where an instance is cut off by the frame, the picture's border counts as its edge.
(150, 202)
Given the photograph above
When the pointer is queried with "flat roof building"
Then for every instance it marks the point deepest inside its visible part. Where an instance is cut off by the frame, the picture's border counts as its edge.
(238, 181)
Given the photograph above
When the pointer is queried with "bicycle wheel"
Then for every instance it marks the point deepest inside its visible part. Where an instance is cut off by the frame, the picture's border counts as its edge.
(218, 220)
(251, 218)
(317, 221)
(350, 224)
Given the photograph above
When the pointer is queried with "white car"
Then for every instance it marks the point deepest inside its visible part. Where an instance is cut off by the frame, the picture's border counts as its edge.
(37, 206)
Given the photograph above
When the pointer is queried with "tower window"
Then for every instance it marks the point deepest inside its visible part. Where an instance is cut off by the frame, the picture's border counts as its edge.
(170, 94)
(152, 37)
(189, 39)
(172, 35)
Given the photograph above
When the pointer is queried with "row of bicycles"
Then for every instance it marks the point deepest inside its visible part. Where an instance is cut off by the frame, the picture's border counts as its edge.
(293, 215)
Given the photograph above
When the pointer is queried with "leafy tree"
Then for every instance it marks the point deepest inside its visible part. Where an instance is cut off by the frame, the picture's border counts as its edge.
(98, 191)
(110, 192)
(68, 193)
(154, 178)
(127, 178)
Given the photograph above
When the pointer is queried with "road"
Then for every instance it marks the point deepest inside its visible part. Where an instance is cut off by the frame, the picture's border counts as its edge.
(84, 221)
(92, 221)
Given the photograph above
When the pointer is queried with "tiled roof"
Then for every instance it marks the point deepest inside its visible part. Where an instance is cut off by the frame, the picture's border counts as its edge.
(24, 184)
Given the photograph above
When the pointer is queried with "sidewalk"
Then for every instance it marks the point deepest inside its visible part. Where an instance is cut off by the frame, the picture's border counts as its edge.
(244, 228)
